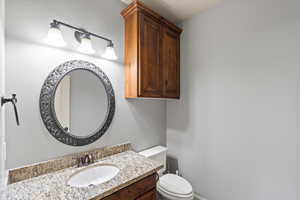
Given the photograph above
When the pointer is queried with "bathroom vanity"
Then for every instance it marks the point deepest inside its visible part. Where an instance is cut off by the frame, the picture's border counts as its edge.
(136, 178)
(144, 189)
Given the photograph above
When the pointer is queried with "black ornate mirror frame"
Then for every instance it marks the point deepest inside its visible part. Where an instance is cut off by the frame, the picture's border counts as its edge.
(47, 98)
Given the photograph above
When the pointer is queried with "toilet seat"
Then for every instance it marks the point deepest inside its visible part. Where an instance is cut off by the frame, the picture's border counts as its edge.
(171, 196)
(175, 187)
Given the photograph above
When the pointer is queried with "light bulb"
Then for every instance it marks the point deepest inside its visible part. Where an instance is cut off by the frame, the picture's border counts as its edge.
(109, 52)
(55, 37)
(86, 46)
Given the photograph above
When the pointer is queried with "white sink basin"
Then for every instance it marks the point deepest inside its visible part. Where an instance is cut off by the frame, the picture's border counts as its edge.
(94, 175)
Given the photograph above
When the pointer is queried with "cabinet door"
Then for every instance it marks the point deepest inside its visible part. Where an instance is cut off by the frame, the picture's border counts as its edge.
(150, 71)
(148, 196)
(171, 63)
(134, 191)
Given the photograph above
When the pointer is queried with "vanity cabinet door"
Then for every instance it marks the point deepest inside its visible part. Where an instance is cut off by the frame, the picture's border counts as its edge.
(171, 63)
(150, 70)
(148, 196)
(134, 191)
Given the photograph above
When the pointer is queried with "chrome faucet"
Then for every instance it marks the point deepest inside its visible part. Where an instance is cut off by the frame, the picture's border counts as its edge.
(85, 160)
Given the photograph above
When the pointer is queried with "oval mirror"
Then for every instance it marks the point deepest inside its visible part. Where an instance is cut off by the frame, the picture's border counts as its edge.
(81, 103)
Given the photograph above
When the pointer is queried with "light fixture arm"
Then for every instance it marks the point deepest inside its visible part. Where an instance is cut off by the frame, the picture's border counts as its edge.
(57, 23)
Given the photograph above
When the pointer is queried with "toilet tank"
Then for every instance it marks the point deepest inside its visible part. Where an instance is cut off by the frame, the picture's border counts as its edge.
(159, 154)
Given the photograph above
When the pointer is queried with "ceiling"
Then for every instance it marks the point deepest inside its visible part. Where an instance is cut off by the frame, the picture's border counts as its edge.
(177, 10)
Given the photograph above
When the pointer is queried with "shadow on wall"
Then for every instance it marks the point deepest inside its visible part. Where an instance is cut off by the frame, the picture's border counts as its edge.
(191, 113)
(180, 109)
(172, 165)
(182, 112)
(142, 112)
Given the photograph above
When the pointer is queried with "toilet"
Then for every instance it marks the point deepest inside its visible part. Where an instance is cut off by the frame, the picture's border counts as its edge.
(169, 186)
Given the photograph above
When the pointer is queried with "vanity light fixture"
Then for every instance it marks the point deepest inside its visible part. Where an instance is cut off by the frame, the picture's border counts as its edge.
(86, 45)
(54, 36)
(109, 52)
(83, 36)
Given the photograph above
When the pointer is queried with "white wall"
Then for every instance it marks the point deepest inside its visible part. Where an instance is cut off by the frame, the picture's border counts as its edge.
(2, 55)
(142, 122)
(236, 128)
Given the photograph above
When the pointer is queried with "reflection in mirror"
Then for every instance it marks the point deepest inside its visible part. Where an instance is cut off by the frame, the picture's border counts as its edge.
(80, 103)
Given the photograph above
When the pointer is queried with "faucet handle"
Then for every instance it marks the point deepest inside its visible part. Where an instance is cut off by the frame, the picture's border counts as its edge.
(79, 162)
(92, 160)
(89, 159)
(84, 160)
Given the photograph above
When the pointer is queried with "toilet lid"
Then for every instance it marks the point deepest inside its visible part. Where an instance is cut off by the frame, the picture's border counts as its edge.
(175, 184)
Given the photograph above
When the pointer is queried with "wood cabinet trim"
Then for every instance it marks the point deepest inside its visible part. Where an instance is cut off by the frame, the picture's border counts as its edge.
(151, 195)
(175, 93)
(131, 55)
(137, 5)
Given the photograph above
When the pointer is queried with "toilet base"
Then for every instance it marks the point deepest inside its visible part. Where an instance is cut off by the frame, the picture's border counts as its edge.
(160, 197)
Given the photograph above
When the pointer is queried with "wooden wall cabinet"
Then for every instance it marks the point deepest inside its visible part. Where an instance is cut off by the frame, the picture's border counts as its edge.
(152, 54)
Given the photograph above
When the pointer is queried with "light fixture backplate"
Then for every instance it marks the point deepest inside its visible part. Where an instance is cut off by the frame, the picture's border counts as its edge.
(79, 34)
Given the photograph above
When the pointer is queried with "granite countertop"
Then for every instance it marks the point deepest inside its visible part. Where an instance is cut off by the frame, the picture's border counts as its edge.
(133, 167)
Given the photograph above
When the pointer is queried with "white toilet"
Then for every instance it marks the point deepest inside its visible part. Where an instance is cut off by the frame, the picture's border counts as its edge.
(169, 186)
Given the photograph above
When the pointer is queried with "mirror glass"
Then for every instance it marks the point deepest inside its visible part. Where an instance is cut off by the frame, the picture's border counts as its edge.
(80, 103)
